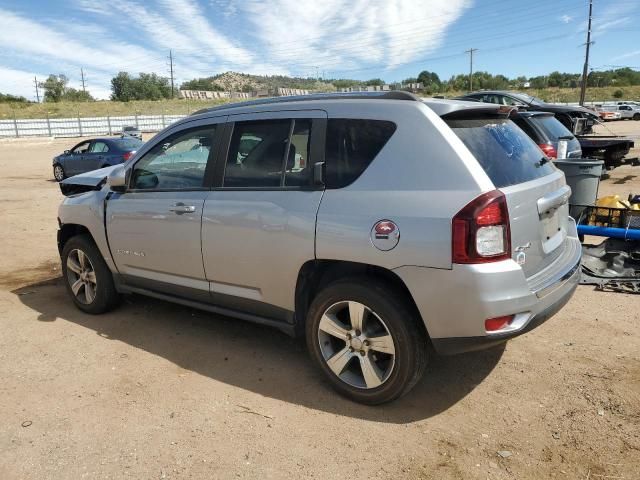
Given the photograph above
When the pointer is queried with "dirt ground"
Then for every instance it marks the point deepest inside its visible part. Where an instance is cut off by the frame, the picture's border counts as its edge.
(155, 390)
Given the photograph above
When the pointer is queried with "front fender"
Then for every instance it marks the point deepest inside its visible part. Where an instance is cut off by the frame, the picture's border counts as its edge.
(88, 210)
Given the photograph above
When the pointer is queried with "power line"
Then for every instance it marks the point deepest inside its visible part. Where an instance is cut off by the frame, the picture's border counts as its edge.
(470, 52)
(583, 86)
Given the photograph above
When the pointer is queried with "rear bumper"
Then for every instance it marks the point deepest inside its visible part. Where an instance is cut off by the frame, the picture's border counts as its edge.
(454, 304)
(452, 346)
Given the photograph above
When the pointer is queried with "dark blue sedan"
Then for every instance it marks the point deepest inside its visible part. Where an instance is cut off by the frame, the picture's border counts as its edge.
(93, 154)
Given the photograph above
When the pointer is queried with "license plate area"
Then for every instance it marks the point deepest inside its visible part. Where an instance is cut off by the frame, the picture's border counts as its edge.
(553, 228)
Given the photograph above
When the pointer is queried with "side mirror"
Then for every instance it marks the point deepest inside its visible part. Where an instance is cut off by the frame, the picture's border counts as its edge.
(117, 179)
(318, 173)
(67, 152)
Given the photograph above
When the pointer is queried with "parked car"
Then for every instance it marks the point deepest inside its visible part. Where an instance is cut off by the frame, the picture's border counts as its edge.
(410, 222)
(628, 112)
(547, 132)
(608, 114)
(92, 154)
(132, 132)
(578, 120)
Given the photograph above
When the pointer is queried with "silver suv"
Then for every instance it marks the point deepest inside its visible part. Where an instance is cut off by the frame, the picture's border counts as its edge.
(375, 225)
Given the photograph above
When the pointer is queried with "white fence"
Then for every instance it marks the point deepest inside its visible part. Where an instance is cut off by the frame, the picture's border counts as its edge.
(78, 126)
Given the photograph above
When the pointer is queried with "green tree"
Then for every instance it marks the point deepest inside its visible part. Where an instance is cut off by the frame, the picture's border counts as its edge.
(55, 87)
(73, 95)
(430, 80)
(8, 98)
(205, 84)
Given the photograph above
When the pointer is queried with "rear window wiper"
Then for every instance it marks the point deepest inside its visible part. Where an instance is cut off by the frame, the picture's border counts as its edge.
(542, 161)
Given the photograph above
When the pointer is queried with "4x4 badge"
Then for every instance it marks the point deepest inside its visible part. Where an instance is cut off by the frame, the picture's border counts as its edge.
(385, 235)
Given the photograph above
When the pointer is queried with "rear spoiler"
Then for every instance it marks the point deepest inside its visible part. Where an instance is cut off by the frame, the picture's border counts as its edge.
(503, 112)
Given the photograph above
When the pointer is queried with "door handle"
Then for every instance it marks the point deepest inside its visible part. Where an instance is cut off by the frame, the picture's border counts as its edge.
(180, 208)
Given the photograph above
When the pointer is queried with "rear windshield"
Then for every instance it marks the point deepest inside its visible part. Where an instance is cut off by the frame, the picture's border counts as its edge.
(552, 127)
(129, 144)
(504, 151)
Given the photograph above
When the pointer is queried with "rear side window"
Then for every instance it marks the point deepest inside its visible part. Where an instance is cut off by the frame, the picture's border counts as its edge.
(351, 146)
(504, 151)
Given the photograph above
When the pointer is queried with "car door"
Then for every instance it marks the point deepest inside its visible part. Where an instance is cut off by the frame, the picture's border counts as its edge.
(258, 225)
(73, 162)
(96, 156)
(153, 227)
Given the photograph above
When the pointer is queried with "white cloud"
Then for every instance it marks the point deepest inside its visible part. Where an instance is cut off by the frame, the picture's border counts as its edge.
(19, 82)
(338, 34)
(633, 53)
(566, 18)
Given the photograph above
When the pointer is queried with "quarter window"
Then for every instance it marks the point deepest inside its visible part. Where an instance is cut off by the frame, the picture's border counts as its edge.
(351, 146)
(272, 153)
(177, 162)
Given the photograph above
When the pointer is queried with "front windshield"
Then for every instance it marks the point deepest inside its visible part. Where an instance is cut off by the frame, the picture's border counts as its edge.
(527, 98)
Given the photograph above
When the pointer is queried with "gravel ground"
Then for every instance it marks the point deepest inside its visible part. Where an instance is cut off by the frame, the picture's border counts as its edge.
(155, 390)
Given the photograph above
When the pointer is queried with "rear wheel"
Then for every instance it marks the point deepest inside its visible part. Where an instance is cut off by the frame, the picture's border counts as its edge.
(58, 172)
(88, 280)
(366, 340)
(636, 116)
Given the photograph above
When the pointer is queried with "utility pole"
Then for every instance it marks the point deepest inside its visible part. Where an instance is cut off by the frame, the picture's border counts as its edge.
(82, 76)
(583, 87)
(35, 82)
(171, 70)
(470, 52)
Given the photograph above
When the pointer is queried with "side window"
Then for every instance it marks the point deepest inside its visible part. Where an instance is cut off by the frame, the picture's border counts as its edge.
(82, 148)
(351, 146)
(176, 162)
(270, 153)
(99, 147)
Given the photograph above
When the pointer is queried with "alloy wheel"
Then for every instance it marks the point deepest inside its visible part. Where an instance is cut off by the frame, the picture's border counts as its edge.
(356, 344)
(58, 173)
(81, 276)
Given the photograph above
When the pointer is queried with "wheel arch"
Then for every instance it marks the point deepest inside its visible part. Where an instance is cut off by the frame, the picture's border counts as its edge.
(70, 230)
(316, 274)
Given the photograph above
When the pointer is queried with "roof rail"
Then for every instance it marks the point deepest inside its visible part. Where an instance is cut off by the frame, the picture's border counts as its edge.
(390, 95)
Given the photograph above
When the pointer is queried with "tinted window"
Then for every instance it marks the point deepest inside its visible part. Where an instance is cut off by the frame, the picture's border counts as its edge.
(553, 128)
(258, 151)
(351, 147)
(129, 144)
(177, 162)
(504, 151)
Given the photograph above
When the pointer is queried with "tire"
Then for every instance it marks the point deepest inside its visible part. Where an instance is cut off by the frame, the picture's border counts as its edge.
(58, 172)
(636, 116)
(86, 276)
(390, 375)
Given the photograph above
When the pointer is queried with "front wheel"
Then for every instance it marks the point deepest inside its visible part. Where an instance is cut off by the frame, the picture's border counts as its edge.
(88, 280)
(636, 116)
(58, 173)
(366, 340)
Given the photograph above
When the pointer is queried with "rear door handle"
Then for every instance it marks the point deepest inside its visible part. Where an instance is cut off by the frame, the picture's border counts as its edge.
(180, 208)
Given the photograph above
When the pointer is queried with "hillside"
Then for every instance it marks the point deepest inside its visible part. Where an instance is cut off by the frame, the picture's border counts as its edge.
(148, 107)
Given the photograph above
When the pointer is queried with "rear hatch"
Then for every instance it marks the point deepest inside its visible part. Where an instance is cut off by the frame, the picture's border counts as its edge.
(536, 192)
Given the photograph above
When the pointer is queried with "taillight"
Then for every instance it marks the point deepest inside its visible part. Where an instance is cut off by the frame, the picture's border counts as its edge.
(548, 149)
(128, 155)
(480, 231)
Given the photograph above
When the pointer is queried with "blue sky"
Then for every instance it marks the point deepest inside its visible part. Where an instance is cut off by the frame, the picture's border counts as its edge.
(391, 39)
